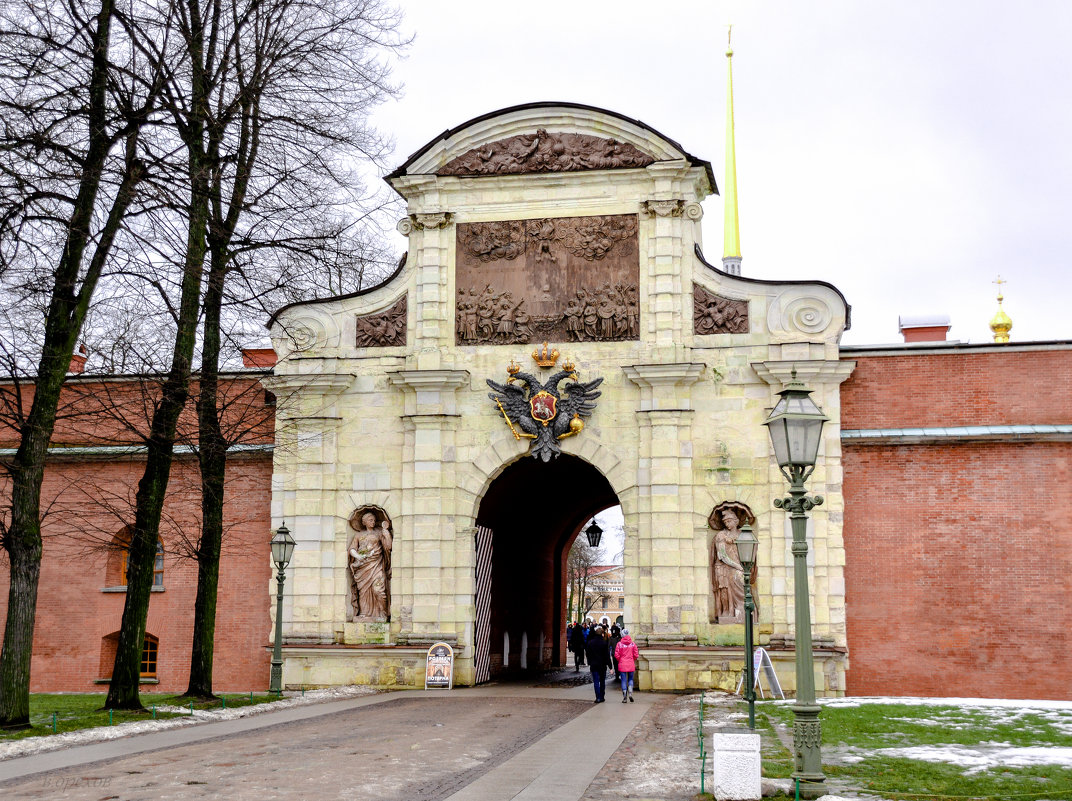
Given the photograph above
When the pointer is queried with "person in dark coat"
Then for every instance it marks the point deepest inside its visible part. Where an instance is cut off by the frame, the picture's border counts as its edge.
(615, 638)
(598, 652)
(576, 645)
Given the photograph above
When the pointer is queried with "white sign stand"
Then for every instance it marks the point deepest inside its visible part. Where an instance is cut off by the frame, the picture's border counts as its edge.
(762, 665)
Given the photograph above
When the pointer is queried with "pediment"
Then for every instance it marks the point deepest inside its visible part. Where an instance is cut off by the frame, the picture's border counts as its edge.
(544, 138)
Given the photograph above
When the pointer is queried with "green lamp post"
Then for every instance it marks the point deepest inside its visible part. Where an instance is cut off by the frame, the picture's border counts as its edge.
(795, 426)
(282, 549)
(747, 545)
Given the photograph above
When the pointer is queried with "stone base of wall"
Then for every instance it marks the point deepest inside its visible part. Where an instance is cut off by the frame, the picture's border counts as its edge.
(720, 668)
(668, 669)
(386, 666)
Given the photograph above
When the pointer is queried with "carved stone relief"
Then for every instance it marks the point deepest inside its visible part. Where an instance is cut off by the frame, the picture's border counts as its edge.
(383, 329)
(712, 314)
(727, 574)
(546, 152)
(566, 278)
(369, 560)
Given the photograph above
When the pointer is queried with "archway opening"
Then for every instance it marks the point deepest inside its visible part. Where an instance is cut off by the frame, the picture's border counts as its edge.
(528, 519)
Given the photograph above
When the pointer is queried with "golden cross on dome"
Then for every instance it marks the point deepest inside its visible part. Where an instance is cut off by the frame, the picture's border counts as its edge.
(999, 282)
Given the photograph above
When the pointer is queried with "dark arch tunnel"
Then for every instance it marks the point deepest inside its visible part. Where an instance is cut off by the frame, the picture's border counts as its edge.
(535, 510)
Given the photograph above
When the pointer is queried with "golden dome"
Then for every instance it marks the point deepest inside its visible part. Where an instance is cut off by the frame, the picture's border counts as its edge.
(1000, 323)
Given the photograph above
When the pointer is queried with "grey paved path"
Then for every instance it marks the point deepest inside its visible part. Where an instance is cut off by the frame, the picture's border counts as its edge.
(483, 744)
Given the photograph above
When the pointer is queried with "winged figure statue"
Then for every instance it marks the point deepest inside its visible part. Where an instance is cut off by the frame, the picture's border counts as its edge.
(543, 412)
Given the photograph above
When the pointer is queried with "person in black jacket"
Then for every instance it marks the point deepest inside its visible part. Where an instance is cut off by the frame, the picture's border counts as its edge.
(598, 652)
(576, 644)
(615, 638)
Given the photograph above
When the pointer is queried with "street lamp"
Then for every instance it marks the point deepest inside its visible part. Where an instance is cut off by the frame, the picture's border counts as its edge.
(593, 532)
(795, 428)
(747, 544)
(282, 548)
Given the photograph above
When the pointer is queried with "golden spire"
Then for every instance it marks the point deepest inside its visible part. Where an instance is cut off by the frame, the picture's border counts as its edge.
(731, 238)
(1000, 323)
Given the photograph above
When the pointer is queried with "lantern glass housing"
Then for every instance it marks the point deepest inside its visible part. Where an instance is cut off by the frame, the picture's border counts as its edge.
(747, 545)
(594, 533)
(796, 427)
(282, 547)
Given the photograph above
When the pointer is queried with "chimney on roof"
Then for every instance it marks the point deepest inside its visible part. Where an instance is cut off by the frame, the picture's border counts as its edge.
(258, 357)
(78, 360)
(924, 328)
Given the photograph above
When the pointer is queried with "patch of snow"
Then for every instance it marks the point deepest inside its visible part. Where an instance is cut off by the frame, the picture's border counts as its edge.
(53, 742)
(975, 758)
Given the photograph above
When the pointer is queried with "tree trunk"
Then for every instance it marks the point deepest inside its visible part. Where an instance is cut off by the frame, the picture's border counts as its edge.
(212, 452)
(67, 310)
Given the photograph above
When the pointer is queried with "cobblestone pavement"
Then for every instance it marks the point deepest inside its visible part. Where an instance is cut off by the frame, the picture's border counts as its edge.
(409, 748)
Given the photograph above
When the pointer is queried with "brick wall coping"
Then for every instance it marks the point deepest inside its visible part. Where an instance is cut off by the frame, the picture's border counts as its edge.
(912, 348)
(137, 450)
(877, 436)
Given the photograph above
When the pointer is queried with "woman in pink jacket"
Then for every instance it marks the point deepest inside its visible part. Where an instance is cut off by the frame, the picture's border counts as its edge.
(627, 654)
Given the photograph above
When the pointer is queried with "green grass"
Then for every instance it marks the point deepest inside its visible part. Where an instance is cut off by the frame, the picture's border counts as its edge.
(76, 711)
(865, 731)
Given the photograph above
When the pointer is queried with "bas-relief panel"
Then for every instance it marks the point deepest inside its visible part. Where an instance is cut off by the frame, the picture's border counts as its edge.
(713, 314)
(546, 152)
(565, 279)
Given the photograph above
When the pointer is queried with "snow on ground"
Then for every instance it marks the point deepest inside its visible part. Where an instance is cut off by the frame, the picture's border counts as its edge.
(52, 742)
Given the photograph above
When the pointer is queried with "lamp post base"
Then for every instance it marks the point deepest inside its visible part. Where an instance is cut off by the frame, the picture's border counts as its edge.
(807, 739)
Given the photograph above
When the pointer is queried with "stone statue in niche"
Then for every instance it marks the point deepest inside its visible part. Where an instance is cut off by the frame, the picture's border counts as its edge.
(546, 152)
(370, 564)
(712, 314)
(727, 574)
(384, 329)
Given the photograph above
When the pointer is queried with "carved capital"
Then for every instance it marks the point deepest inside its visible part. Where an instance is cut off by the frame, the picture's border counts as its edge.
(439, 219)
(663, 208)
(404, 226)
(693, 210)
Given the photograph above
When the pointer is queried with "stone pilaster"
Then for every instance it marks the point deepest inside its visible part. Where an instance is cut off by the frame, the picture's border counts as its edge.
(432, 575)
(303, 495)
(665, 547)
(431, 245)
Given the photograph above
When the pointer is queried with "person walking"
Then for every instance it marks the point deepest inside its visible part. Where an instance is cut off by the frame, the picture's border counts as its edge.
(615, 638)
(598, 652)
(576, 645)
(627, 654)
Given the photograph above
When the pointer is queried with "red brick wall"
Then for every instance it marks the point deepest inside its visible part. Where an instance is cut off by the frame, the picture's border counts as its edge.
(74, 615)
(962, 388)
(958, 555)
(87, 501)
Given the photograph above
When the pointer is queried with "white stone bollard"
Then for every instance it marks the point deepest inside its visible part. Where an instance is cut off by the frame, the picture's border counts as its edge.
(735, 765)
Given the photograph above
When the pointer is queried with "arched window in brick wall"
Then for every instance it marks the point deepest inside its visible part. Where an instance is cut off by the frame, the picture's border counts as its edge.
(118, 555)
(149, 652)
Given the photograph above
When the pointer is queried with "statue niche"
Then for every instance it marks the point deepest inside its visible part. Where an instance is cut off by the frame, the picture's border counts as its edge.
(369, 559)
(727, 574)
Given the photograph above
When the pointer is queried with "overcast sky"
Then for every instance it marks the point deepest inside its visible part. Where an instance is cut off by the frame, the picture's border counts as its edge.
(907, 152)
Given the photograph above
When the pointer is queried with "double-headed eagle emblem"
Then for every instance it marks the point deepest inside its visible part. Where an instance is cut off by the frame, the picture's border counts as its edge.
(543, 412)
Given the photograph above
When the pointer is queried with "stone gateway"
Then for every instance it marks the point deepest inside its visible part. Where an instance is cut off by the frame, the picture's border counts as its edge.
(576, 227)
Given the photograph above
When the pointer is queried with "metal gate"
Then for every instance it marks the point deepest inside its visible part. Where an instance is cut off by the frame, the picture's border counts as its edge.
(484, 544)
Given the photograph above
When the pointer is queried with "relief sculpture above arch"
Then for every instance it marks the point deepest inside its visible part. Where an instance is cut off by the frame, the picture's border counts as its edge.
(560, 279)
(546, 152)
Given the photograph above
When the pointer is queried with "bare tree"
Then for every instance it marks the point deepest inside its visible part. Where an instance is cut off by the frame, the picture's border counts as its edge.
(75, 99)
(271, 109)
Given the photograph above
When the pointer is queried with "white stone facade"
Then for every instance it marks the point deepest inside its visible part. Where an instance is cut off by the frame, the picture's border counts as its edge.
(677, 430)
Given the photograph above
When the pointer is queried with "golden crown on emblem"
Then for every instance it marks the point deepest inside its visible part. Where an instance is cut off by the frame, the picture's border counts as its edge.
(545, 360)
